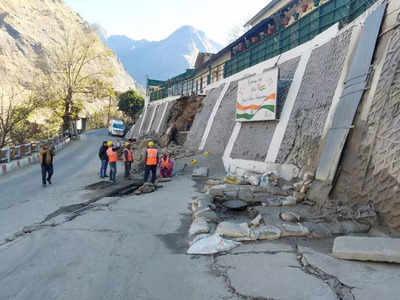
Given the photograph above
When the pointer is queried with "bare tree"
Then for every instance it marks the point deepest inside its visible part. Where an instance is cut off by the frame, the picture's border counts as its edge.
(76, 71)
(15, 107)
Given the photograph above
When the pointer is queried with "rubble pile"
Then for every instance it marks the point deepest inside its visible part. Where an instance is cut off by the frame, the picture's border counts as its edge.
(265, 207)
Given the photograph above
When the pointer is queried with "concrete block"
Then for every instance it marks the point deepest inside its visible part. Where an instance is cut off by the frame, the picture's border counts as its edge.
(367, 249)
(200, 172)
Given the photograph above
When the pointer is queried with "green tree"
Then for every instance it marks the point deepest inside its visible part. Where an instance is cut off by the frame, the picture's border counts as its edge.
(131, 103)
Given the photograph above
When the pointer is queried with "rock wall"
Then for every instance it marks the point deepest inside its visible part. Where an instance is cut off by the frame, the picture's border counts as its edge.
(200, 122)
(300, 145)
(157, 118)
(223, 123)
(370, 168)
(254, 138)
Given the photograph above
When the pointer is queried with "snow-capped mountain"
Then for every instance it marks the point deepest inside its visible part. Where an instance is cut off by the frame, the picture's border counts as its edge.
(162, 59)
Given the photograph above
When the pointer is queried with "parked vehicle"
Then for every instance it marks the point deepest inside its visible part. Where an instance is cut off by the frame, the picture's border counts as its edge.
(116, 127)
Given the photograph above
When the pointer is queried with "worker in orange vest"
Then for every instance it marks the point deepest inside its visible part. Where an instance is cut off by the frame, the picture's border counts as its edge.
(127, 158)
(151, 162)
(166, 165)
(112, 160)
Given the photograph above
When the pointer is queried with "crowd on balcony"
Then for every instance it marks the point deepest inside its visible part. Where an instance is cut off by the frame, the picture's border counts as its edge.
(279, 21)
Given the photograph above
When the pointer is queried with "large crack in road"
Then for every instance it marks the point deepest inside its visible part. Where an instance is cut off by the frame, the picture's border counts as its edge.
(342, 291)
(73, 211)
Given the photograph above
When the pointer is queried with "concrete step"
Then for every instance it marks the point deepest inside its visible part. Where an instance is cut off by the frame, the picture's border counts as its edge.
(367, 249)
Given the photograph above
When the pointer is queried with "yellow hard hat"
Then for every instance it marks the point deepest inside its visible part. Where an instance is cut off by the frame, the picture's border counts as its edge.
(207, 154)
(194, 162)
(109, 144)
(126, 144)
(150, 144)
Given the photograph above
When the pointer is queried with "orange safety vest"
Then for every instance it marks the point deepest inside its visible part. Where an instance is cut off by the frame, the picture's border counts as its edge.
(165, 163)
(112, 155)
(130, 157)
(151, 157)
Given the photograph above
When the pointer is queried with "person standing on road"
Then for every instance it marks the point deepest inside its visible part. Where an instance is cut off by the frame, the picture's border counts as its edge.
(166, 165)
(112, 159)
(151, 162)
(46, 163)
(127, 158)
(104, 160)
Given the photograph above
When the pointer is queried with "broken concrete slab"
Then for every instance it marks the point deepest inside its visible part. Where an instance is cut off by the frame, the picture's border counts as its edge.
(207, 214)
(200, 172)
(281, 276)
(370, 281)
(269, 247)
(367, 249)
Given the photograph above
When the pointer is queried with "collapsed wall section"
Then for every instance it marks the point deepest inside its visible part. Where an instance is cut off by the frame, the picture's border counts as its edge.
(255, 138)
(200, 122)
(300, 145)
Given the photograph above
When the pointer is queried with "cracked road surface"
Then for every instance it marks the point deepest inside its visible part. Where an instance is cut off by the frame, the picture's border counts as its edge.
(134, 248)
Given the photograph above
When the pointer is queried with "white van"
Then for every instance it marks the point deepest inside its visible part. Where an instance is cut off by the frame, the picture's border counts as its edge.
(116, 127)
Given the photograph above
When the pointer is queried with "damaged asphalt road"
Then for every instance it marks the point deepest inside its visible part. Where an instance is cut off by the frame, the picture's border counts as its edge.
(134, 247)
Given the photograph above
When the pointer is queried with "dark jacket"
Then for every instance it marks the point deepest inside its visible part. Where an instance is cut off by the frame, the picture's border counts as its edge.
(103, 153)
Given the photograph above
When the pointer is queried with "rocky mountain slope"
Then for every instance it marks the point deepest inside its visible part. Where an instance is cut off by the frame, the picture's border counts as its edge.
(162, 59)
(29, 29)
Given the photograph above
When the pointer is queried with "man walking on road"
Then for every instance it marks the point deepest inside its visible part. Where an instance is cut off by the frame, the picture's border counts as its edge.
(112, 159)
(127, 158)
(46, 162)
(104, 160)
(151, 161)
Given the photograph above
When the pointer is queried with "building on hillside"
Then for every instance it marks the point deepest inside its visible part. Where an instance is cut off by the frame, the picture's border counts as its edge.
(278, 27)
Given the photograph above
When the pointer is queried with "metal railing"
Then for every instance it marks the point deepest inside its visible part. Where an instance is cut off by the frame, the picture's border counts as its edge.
(17, 152)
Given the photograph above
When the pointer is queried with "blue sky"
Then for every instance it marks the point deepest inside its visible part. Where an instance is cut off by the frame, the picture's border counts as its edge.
(156, 19)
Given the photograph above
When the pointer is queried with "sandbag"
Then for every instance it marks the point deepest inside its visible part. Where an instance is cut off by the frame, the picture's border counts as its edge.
(211, 245)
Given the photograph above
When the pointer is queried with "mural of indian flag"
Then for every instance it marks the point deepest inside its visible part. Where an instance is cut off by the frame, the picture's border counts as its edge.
(257, 96)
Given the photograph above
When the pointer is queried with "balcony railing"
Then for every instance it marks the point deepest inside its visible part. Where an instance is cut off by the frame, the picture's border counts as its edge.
(301, 31)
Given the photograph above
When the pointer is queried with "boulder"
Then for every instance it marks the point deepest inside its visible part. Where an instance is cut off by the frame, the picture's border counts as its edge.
(233, 230)
(367, 249)
(219, 190)
(245, 195)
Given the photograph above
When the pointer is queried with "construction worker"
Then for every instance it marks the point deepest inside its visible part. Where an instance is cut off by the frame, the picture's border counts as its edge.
(46, 162)
(112, 160)
(127, 158)
(151, 162)
(166, 165)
